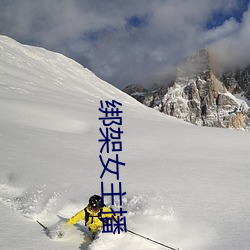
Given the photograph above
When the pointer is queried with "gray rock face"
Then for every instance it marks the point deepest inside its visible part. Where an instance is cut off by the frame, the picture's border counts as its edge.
(200, 97)
(237, 81)
(137, 91)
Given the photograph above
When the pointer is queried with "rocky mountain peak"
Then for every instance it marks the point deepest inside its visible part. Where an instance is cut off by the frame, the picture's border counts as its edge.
(196, 64)
(200, 96)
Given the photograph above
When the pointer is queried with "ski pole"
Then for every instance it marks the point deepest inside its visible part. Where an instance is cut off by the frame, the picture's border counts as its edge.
(45, 228)
(152, 240)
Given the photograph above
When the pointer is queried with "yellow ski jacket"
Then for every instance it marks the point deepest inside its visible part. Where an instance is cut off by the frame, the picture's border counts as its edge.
(94, 223)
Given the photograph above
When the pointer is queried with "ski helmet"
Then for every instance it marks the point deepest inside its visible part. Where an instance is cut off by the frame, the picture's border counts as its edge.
(95, 202)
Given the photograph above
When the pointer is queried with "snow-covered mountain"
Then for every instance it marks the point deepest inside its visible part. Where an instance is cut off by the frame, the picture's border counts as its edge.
(186, 186)
(201, 95)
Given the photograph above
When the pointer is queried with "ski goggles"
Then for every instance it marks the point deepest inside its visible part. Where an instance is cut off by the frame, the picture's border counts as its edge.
(94, 208)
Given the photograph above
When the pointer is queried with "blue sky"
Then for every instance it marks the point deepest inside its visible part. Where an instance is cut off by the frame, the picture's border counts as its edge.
(131, 41)
(218, 17)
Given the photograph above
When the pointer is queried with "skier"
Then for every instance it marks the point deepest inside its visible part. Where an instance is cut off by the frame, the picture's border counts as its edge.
(92, 215)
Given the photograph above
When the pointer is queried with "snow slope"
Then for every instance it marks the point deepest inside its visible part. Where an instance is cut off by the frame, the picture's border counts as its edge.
(186, 186)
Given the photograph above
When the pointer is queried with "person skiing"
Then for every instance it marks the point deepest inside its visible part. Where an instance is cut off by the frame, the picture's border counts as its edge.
(92, 215)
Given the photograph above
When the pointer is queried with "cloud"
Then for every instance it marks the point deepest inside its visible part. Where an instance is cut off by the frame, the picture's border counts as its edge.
(124, 42)
(233, 49)
(228, 28)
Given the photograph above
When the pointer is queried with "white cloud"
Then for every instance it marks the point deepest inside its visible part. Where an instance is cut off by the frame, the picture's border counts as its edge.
(228, 28)
(233, 50)
(97, 32)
